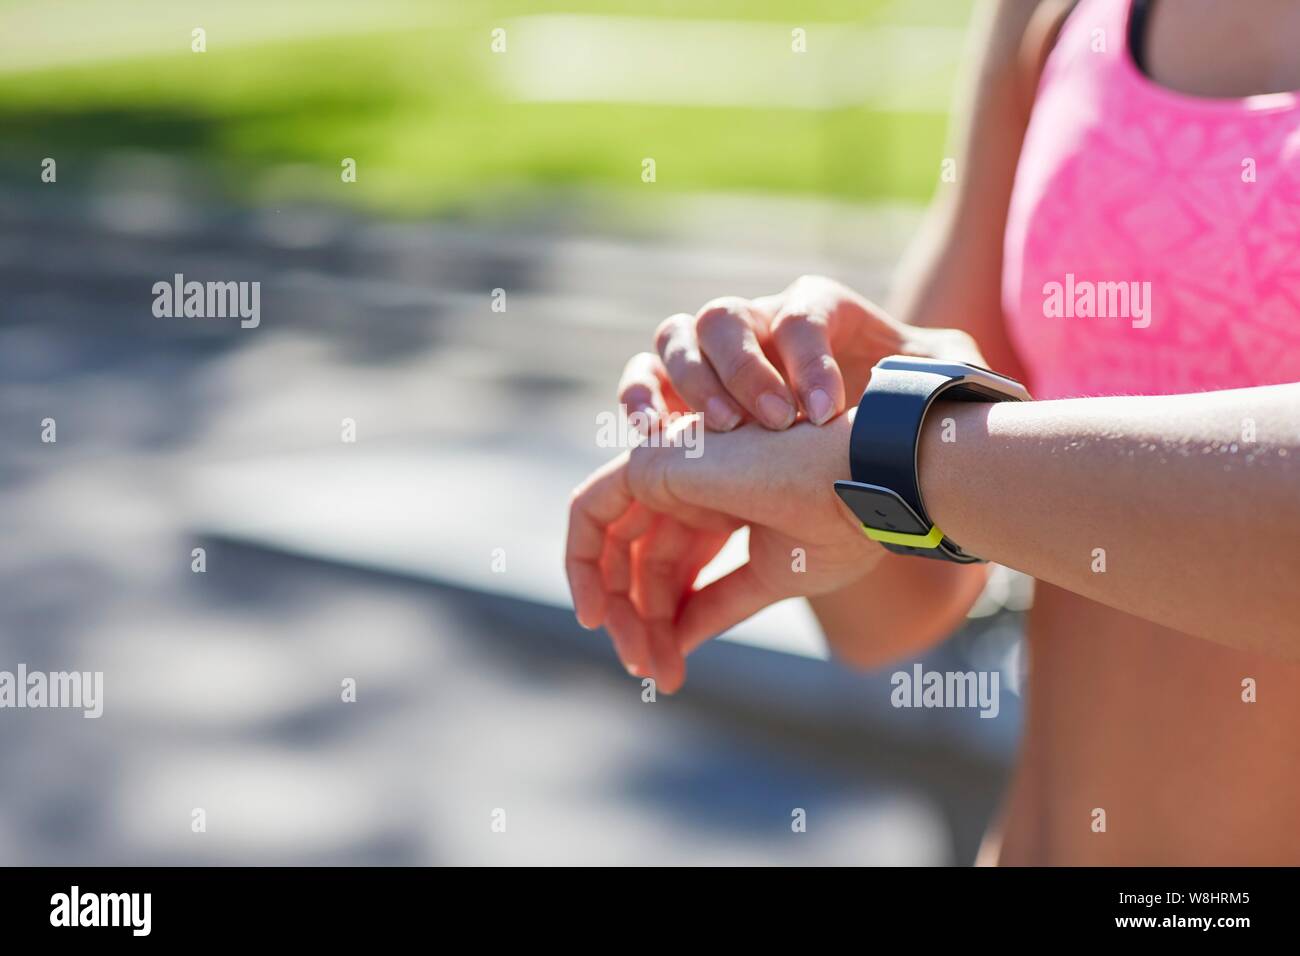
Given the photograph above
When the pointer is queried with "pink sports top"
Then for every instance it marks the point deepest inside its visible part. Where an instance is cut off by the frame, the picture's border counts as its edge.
(1153, 237)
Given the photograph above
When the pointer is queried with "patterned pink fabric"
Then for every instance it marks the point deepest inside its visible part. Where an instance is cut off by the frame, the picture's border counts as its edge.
(1124, 181)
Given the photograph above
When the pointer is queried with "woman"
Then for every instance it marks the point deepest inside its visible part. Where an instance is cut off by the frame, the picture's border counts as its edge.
(1152, 487)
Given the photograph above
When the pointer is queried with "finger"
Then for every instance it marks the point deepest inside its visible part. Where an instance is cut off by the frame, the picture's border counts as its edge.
(802, 340)
(657, 573)
(700, 546)
(726, 332)
(641, 392)
(596, 504)
(692, 376)
(628, 633)
(623, 621)
(705, 548)
(720, 606)
(659, 581)
(669, 662)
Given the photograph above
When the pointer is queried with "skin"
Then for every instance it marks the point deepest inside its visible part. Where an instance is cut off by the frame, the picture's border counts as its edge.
(1135, 684)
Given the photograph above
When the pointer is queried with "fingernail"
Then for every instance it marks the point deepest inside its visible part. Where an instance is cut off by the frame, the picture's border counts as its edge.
(775, 411)
(820, 407)
(722, 417)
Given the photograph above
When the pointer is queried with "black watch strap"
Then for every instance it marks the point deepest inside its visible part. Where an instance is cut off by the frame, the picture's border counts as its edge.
(885, 493)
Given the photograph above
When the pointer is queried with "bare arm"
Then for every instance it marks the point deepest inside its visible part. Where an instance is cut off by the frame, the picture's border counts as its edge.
(1183, 509)
(1160, 506)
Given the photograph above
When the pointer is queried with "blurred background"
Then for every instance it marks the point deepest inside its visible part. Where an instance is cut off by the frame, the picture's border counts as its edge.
(497, 146)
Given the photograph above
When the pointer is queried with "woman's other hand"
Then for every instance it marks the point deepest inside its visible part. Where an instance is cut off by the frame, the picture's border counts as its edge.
(803, 352)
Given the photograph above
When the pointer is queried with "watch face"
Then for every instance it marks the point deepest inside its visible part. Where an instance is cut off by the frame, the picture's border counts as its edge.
(880, 508)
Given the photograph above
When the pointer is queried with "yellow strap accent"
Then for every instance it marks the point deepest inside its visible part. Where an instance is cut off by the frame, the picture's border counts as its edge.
(930, 540)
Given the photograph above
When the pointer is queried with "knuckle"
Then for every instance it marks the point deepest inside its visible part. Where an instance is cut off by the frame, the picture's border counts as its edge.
(812, 367)
(720, 314)
(741, 368)
(684, 365)
(712, 321)
(795, 321)
(725, 303)
(667, 331)
(681, 359)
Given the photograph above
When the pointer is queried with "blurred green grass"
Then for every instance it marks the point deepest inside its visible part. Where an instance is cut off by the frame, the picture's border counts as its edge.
(413, 102)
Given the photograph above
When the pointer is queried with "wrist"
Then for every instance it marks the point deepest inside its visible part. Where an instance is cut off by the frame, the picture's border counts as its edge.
(914, 405)
(950, 453)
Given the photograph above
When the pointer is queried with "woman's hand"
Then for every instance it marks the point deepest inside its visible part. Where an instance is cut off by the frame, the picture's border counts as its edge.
(766, 359)
(642, 527)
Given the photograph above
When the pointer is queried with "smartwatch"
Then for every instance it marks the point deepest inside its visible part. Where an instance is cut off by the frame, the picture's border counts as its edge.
(885, 493)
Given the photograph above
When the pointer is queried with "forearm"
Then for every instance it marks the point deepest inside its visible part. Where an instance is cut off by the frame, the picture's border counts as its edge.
(899, 608)
(1159, 506)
